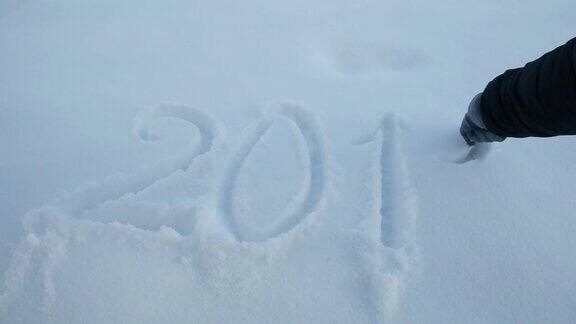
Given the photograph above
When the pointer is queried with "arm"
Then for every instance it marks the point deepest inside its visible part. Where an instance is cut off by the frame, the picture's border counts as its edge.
(536, 100)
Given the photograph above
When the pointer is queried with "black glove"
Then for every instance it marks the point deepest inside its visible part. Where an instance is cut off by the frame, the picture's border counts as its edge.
(473, 129)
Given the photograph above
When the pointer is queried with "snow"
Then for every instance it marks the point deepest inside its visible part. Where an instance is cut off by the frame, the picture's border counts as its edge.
(286, 162)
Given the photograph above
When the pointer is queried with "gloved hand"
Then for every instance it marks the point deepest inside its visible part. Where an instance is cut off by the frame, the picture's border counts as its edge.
(473, 128)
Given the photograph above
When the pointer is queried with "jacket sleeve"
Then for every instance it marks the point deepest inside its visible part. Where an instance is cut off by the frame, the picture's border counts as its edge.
(536, 100)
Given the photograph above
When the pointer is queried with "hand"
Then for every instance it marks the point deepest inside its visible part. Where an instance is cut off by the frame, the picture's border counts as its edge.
(473, 128)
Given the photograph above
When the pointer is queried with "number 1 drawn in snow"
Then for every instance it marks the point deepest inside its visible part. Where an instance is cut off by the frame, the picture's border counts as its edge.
(391, 262)
(398, 206)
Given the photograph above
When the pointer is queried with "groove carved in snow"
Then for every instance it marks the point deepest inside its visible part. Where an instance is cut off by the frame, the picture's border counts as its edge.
(309, 196)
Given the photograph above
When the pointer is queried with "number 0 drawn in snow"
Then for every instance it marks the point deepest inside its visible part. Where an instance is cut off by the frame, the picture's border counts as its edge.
(308, 197)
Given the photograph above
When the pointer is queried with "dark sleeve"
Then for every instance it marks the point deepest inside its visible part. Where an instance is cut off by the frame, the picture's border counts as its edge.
(536, 100)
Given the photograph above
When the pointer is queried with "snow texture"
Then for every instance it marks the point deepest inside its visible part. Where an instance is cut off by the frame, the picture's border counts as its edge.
(249, 198)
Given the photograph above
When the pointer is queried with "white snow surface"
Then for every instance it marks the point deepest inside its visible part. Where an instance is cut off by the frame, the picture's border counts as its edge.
(219, 161)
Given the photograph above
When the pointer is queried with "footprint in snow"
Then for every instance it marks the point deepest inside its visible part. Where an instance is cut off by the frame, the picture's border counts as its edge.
(366, 58)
